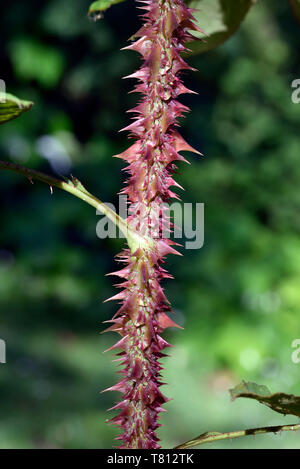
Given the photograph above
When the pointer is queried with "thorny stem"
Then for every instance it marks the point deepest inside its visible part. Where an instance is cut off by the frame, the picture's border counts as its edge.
(151, 162)
(211, 437)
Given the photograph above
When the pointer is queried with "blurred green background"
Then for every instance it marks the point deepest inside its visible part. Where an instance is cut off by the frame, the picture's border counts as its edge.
(238, 297)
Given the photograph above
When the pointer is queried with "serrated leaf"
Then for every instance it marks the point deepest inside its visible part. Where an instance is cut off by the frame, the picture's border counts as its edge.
(97, 8)
(295, 4)
(219, 19)
(12, 107)
(279, 402)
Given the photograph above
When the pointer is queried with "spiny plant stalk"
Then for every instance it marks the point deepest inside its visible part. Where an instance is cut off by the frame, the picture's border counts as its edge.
(152, 159)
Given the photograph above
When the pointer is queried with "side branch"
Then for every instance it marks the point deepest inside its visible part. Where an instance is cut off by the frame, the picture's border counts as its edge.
(210, 437)
(74, 187)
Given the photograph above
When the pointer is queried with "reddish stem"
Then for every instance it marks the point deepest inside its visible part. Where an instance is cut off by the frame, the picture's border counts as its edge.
(152, 161)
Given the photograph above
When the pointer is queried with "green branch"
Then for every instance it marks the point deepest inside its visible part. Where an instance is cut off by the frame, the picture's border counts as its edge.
(74, 187)
(210, 437)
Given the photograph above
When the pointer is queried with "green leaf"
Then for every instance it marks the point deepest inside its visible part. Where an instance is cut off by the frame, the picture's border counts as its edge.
(219, 19)
(279, 402)
(12, 107)
(295, 4)
(96, 9)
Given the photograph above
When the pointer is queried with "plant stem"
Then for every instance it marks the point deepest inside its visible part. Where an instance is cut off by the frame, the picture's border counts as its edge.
(152, 159)
(210, 437)
(74, 187)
